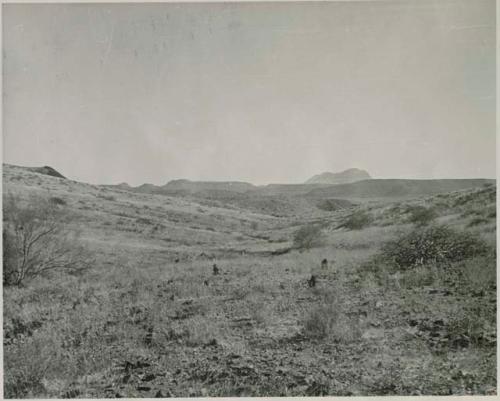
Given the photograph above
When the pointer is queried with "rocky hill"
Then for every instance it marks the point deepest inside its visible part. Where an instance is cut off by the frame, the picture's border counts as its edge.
(343, 177)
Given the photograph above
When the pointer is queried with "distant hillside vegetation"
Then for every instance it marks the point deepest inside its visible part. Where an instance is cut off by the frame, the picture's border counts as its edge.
(344, 177)
(395, 188)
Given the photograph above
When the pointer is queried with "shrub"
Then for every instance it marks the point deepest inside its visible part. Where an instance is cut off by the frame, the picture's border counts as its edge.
(328, 321)
(320, 321)
(357, 221)
(308, 237)
(332, 205)
(36, 241)
(434, 244)
(58, 201)
(106, 197)
(421, 216)
(143, 220)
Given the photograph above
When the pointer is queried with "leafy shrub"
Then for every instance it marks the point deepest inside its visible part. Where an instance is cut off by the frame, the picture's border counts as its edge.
(36, 241)
(421, 216)
(308, 237)
(434, 244)
(357, 221)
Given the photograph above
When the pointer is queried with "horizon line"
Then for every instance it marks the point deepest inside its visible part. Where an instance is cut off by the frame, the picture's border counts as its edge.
(253, 184)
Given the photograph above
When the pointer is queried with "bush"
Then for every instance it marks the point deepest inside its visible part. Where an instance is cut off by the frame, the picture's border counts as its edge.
(36, 241)
(332, 205)
(357, 221)
(58, 201)
(433, 245)
(421, 216)
(106, 197)
(143, 220)
(320, 321)
(328, 321)
(308, 237)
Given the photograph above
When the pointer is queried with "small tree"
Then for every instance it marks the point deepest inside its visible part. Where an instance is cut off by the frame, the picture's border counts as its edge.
(308, 237)
(357, 220)
(422, 216)
(36, 240)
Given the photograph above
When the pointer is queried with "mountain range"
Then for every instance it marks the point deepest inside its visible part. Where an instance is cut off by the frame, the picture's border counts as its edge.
(348, 184)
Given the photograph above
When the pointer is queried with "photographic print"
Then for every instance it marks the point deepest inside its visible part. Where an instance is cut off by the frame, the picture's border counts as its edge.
(249, 199)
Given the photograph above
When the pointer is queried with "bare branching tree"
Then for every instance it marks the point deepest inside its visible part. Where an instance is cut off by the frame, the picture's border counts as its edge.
(36, 240)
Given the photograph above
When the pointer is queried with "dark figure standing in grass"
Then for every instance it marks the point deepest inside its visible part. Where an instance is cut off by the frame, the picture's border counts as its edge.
(215, 270)
(312, 281)
(324, 264)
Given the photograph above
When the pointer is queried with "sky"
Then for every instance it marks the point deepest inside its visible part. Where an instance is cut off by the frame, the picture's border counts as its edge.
(257, 92)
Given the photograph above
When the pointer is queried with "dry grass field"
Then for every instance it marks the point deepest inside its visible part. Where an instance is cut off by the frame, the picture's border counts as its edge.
(406, 305)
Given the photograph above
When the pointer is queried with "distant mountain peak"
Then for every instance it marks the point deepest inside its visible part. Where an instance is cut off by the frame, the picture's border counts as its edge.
(343, 177)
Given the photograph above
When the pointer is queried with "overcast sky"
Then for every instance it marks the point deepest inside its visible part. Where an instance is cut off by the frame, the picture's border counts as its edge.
(259, 92)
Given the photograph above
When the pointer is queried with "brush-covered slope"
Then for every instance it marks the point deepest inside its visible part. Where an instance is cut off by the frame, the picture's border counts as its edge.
(395, 188)
(116, 220)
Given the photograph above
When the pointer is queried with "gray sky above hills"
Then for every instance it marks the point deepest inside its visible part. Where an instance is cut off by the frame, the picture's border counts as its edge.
(258, 92)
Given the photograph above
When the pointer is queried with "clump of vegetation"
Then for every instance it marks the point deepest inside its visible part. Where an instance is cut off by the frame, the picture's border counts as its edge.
(421, 215)
(143, 220)
(106, 197)
(58, 201)
(327, 321)
(477, 221)
(320, 321)
(36, 241)
(307, 237)
(433, 245)
(332, 205)
(357, 221)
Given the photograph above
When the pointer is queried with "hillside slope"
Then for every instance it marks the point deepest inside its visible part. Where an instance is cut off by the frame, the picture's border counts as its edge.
(395, 188)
